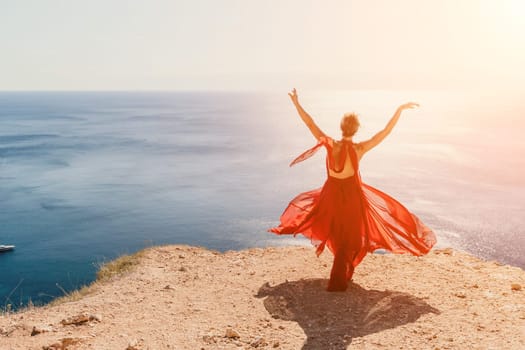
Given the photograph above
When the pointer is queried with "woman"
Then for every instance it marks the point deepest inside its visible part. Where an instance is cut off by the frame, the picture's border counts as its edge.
(346, 215)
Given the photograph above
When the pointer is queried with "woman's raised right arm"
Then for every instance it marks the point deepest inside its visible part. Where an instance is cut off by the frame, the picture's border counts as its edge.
(307, 119)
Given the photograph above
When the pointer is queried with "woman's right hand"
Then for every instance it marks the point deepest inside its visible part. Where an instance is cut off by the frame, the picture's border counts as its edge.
(293, 96)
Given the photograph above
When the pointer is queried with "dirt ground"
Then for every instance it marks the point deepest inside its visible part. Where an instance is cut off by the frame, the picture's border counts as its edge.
(181, 297)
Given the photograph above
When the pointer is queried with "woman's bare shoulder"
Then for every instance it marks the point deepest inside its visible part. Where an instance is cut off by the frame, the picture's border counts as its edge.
(359, 149)
(327, 140)
(359, 146)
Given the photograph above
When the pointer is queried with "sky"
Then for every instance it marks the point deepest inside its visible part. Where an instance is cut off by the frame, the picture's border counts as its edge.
(261, 44)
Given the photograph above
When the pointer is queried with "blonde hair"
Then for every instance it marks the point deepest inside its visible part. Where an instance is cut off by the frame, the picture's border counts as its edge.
(349, 124)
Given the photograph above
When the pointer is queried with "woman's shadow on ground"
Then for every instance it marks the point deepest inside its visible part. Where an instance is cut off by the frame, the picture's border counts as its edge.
(331, 320)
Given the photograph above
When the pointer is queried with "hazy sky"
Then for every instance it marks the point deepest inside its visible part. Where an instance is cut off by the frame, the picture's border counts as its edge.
(260, 44)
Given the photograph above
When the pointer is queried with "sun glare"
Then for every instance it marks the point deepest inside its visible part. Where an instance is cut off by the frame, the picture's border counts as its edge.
(511, 15)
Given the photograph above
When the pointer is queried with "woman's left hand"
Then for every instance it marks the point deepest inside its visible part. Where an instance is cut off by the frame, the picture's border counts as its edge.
(409, 105)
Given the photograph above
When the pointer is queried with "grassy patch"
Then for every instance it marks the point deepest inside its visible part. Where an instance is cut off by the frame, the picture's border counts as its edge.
(105, 272)
(74, 295)
(118, 266)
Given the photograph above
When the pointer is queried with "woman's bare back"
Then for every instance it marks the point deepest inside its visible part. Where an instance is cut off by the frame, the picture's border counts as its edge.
(341, 171)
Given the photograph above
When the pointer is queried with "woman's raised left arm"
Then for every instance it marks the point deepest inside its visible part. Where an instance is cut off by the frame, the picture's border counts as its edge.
(366, 146)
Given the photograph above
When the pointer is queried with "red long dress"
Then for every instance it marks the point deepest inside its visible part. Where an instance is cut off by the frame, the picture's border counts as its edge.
(351, 219)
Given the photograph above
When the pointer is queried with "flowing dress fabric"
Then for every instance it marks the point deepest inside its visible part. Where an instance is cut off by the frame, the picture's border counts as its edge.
(352, 218)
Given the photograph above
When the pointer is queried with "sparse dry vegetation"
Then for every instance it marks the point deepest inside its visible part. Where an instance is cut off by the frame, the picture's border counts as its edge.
(106, 271)
(118, 266)
(75, 295)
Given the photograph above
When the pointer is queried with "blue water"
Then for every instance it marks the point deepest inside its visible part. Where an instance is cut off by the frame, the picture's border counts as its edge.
(88, 176)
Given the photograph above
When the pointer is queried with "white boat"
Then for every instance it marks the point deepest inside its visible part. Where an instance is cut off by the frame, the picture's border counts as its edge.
(6, 248)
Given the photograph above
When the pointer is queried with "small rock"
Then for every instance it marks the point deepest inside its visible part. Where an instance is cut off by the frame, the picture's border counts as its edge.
(183, 269)
(76, 320)
(515, 287)
(461, 295)
(276, 344)
(63, 344)
(133, 345)
(232, 334)
(69, 341)
(209, 339)
(446, 251)
(54, 346)
(258, 342)
(95, 317)
(7, 331)
(40, 329)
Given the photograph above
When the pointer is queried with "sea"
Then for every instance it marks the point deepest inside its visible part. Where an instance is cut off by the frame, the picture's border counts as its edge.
(88, 176)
